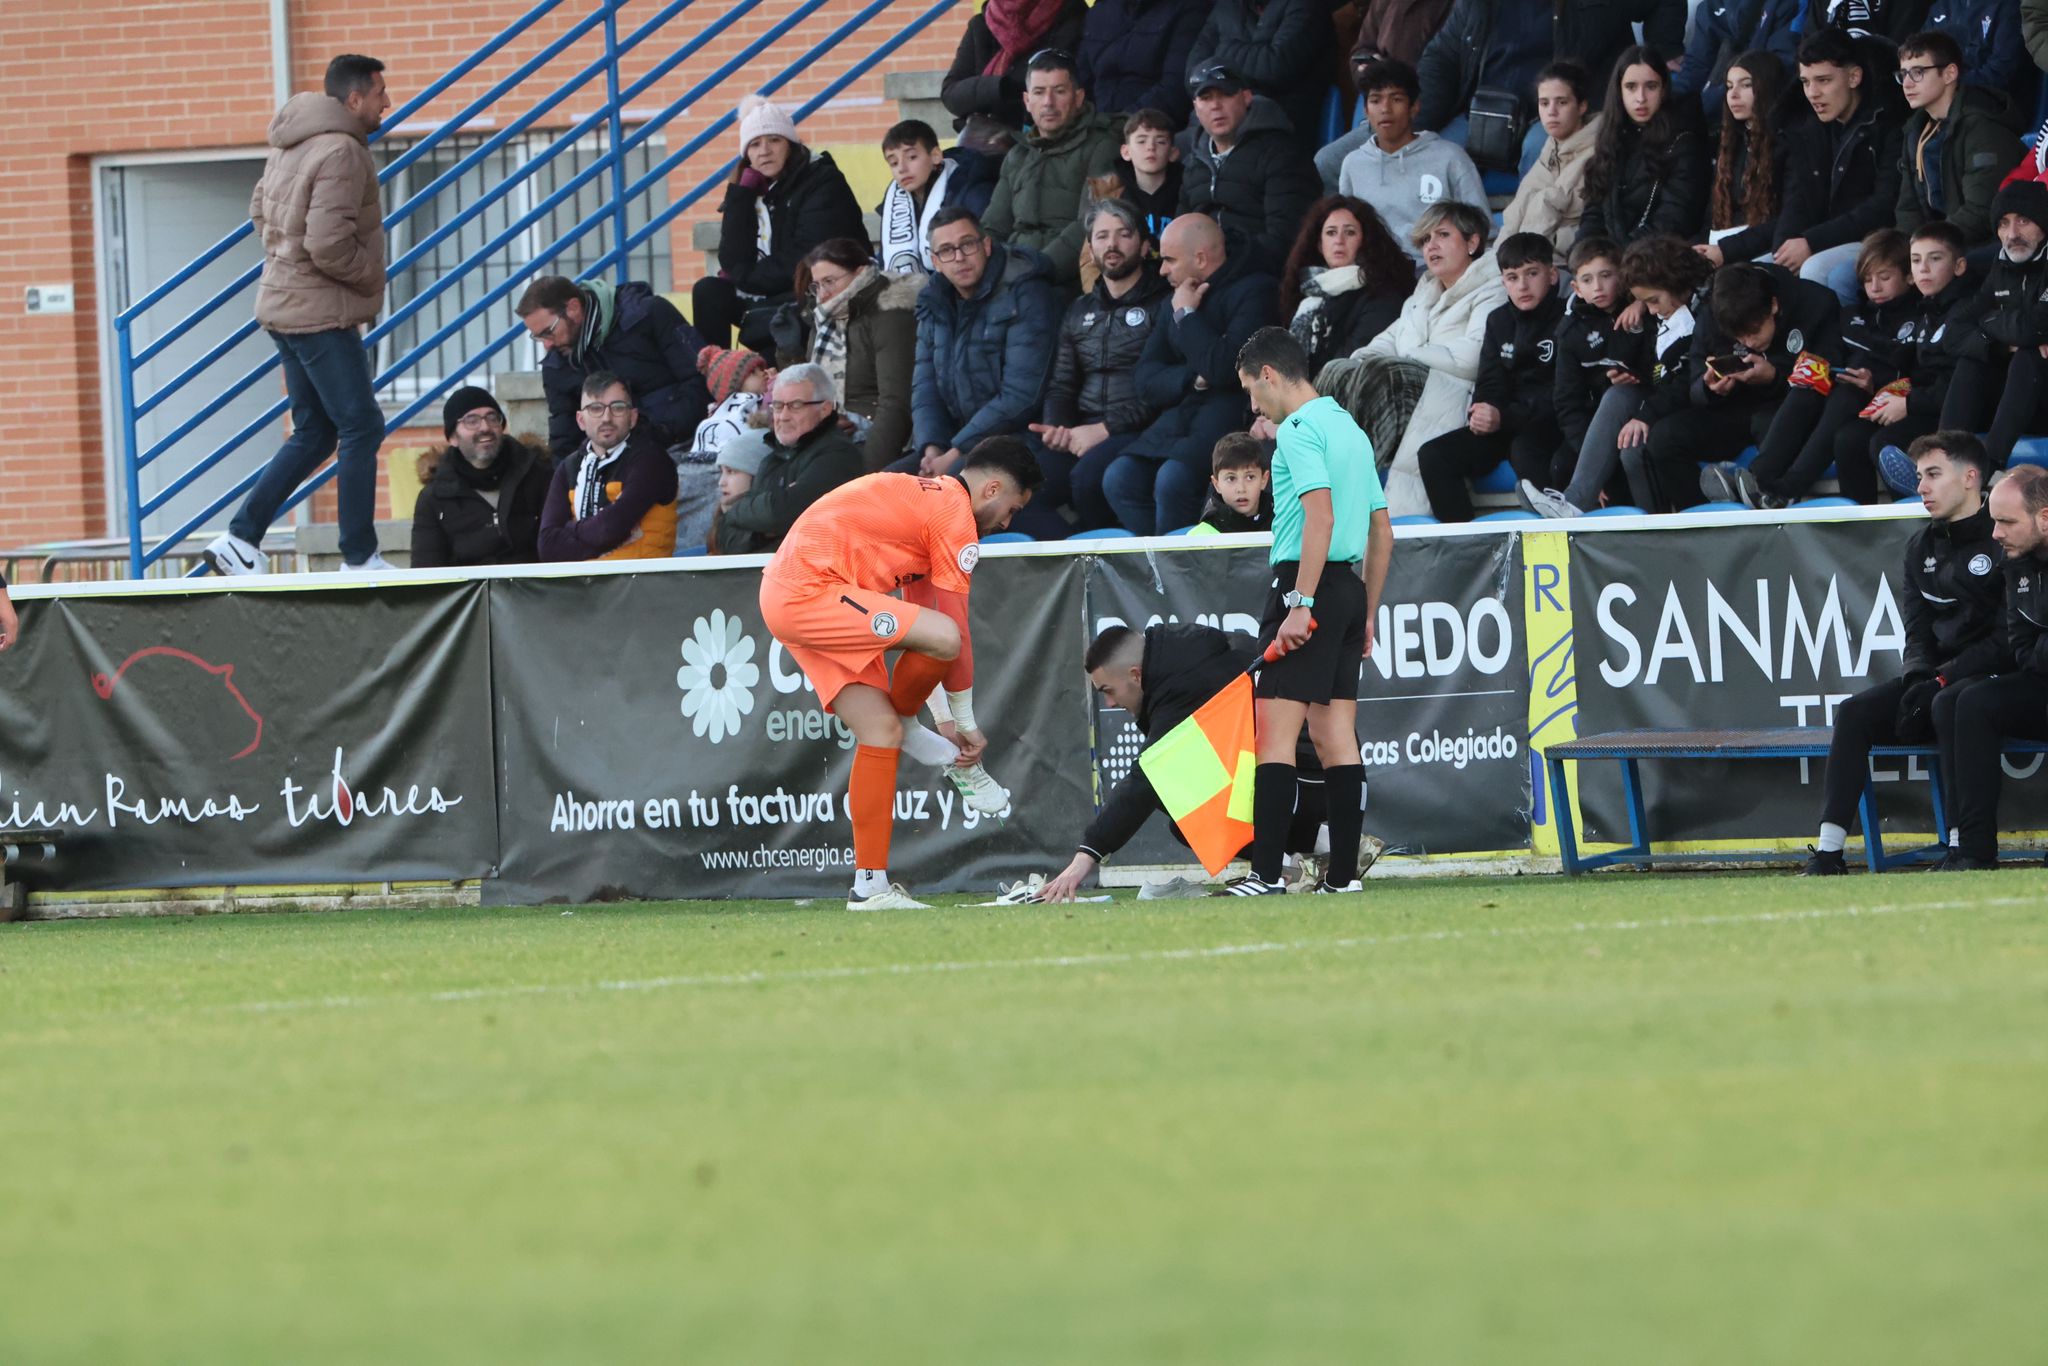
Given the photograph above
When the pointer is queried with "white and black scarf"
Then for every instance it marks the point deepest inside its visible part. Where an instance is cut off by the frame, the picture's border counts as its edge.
(1311, 322)
(828, 328)
(906, 249)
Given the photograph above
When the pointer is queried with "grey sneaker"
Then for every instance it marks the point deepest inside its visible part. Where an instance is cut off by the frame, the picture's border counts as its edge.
(1172, 889)
(1749, 491)
(376, 564)
(1545, 502)
(1899, 474)
(1717, 482)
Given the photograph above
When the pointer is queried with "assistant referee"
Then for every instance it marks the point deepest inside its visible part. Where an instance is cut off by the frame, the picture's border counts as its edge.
(1329, 517)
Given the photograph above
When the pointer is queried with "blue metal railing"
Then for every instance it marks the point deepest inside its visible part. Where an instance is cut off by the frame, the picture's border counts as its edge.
(601, 19)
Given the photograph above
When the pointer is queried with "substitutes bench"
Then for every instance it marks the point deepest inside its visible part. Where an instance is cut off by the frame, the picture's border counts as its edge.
(1630, 747)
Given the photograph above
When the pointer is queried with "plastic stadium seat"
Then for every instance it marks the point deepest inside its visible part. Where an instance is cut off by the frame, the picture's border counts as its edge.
(1417, 519)
(1500, 182)
(1909, 498)
(1334, 126)
(1004, 538)
(1747, 458)
(691, 552)
(1718, 507)
(2029, 450)
(1180, 530)
(1507, 515)
(1500, 479)
(1618, 510)
(1831, 501)
(1103, 533)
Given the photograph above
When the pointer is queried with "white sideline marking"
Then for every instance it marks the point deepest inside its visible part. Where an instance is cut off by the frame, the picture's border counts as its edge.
(1109, 959)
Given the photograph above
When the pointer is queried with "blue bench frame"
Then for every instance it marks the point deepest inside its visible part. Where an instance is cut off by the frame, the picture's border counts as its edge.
(1629, 748)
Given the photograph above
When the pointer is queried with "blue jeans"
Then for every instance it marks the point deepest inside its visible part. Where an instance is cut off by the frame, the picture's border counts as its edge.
(1151, 497)
(327, 379)
(1070, 482)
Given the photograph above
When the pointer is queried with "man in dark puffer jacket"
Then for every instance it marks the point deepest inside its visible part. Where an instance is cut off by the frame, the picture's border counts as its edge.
(628, 330)
(1285, 50)
(1999, 375)
(1242, 169)
(1134, 54)
(482, 500)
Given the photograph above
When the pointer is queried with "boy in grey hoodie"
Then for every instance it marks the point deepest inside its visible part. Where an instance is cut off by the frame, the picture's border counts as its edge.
(1397, 170)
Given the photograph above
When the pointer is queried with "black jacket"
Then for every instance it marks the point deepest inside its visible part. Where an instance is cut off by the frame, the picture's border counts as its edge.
(1976, 152)
(1934, 361)
(1880, 336)
(1134, 55)
(1809, 319)
(809, 203)
(1954, 602)
(1221, 517)
(2026, 614)
(1262, 187)
(1095, 362)
(1286, 49)
(967, 91)
(1586, 338)
(1592, 32)
(1203, 345)
(1757, 239)
(1518, 363)
(1841, 180)
(651, 348)
(1157, 209)
(1184, 666)
(1648, 195)
(790, 479)
(1673, 367)
(2010, 309)
(1354, 318)
(453, 526)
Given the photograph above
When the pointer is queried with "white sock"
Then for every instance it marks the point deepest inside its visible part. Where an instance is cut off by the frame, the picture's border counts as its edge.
(927, 747)
(1955, 838)
(869, 881)
(1833, 838)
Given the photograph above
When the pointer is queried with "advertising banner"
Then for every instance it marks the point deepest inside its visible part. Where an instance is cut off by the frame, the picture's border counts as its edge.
(286, 736)
(655, 741)
(1741, 627)
(1443, 701)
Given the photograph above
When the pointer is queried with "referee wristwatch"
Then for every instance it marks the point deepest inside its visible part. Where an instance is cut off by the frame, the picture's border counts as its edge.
(1294, 598)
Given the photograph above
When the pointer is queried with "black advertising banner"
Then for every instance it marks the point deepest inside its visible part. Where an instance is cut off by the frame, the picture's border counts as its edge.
(1740, 627)
(1444, 701)
(285, 736)
(655, 741)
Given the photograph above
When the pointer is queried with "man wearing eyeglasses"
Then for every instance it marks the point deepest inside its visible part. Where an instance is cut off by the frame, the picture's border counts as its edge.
(1954, 153)
(614, 498)
(807, 458)
(626, 330)
(481, 499)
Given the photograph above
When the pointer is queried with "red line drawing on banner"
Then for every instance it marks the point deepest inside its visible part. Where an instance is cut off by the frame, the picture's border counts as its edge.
(103, 684)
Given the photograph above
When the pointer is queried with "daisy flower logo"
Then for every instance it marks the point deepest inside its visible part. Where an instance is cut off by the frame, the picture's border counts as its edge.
(718, 676)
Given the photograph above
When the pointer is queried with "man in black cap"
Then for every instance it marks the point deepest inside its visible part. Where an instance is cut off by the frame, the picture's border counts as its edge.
(480, 498)
(1243, 168)
(1999, 376)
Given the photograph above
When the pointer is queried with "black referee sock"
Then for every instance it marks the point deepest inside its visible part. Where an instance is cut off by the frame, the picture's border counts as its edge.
(1272, 815)
(1345, 785)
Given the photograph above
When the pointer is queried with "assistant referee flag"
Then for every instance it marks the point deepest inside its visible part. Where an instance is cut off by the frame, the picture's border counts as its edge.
(1202, 770)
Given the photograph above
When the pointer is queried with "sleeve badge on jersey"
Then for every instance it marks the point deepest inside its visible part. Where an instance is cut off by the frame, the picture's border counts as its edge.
(883, 624)
(970, 556)
(1980, 565)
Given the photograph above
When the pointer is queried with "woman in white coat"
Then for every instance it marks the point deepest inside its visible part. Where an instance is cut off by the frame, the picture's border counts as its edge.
(1414, 381)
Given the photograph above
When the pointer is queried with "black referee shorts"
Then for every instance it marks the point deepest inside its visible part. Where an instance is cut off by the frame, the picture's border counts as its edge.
(1326, 669)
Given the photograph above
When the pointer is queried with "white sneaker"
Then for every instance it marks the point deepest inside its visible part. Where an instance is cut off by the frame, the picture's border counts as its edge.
(231, 556)
(376, 564)
(1349, 888)
(890, 898)
(1023, 893)
(1545, 502)
(1251, 884)
(978, 790)
(1172, 889)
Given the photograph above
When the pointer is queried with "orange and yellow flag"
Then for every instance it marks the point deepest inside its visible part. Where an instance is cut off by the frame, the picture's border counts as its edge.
(1202, 770)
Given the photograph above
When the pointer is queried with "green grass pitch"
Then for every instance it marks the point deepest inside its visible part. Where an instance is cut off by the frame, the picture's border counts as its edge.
(1740, 1119)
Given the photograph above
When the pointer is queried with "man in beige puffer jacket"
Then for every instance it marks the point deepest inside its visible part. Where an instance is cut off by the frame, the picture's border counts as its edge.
(319, 214)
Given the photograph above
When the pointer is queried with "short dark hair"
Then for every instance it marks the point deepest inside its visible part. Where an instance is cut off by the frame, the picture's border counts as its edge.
(1006, 455)
(1885, 247)
(350, 74)
(552, 292)
(910, 133)
(1587, 250)
(1275, 347)
(597, 381)
(1942, 231)
(1110, 642)
(1520, 249)
(1962, 447)
(1829, 46)
(951, 214)
(1237, 451)
(1742, 298)
(1935, 46)
(1572, 74)
(1053, 59)
(1153, 119)
(1389, 73)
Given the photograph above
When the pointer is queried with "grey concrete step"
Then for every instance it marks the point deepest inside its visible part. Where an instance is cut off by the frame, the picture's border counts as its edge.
(917, 97)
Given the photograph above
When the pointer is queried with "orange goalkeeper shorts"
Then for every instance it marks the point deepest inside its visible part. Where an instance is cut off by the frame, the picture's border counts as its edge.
(837, 633)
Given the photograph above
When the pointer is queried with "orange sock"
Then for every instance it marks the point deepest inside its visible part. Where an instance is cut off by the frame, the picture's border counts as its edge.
(873, 794)
(916, 676)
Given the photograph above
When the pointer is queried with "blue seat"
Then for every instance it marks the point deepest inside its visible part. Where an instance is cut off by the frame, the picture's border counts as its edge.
(1507, 515)
(1618, 510)
(1180, 530)
(1908, 498)
(1004, 538)
(1334, 126)
(1747, 458)
(1102, 533)
(1832, 500)
(1717, 507)
(1499, 182)
(2029, 450)
(1500, 479)
(693, 551)
(1417, 519)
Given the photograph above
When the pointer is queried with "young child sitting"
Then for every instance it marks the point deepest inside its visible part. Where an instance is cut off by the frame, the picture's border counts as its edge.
(1240, 487)
(1672, 282)
(1513, 416)
(1149, 173)
(737, 379)
(739, 460)
(1902, 412)
(1601, 368)
(923, 181)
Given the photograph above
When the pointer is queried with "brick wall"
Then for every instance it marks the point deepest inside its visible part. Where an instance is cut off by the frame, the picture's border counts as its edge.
(195, 74)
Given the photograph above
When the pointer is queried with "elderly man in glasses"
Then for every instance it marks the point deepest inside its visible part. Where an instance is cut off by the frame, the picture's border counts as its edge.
(614, 497)
(808, 457)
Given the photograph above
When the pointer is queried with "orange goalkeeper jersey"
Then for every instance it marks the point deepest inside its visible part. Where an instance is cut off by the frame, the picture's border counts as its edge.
(880, 532)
